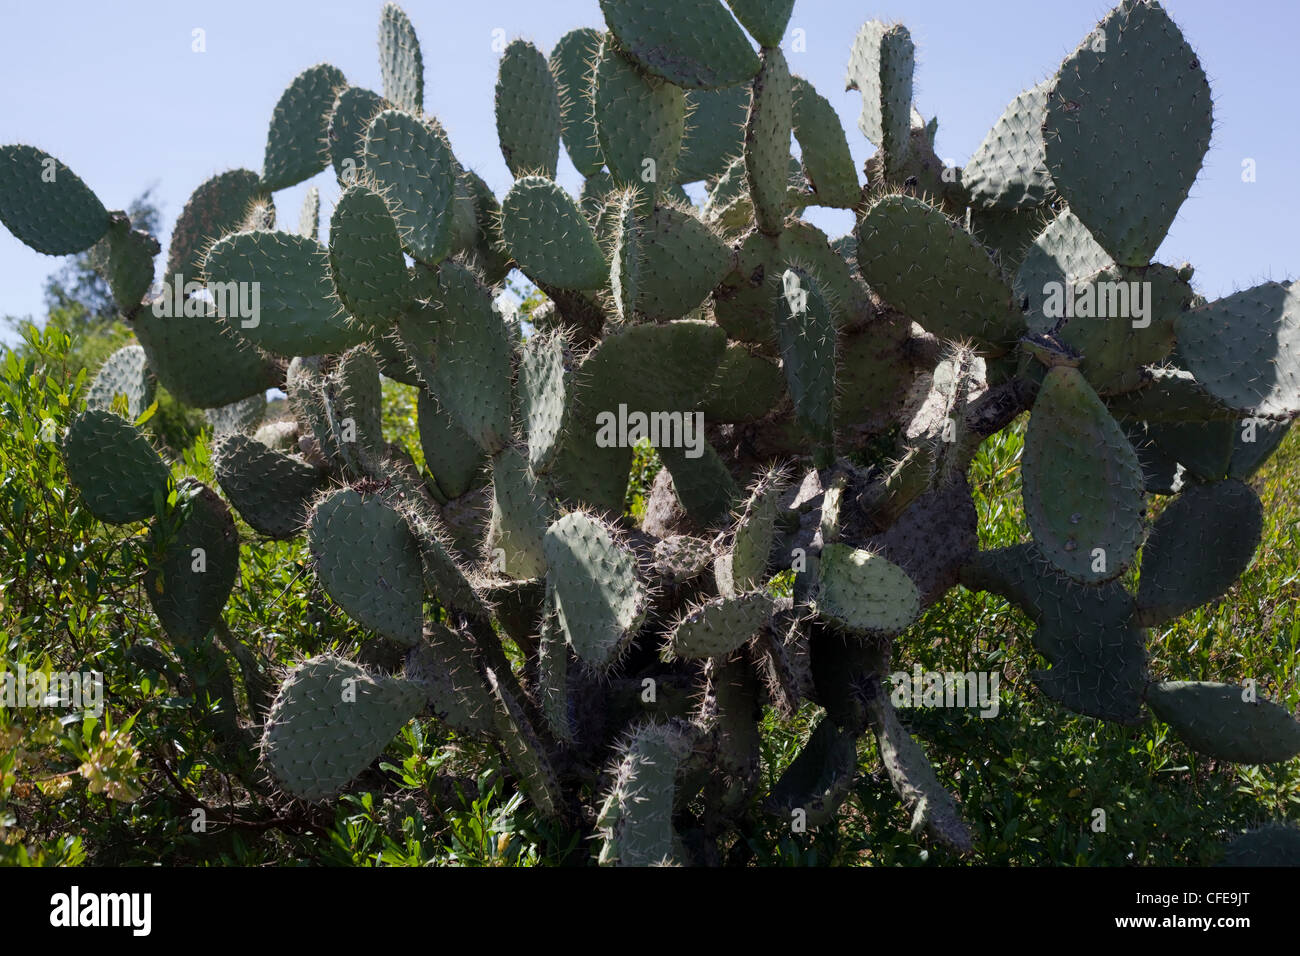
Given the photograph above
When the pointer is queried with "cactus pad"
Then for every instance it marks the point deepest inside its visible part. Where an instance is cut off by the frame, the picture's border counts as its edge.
(690, 43)
(46, 205)
(1219, 720)
(367, 560)
(330, 721)
(113, 466)
(593, 586)
(864, 592)
(1083, 486)
(528, 112)
(296, 141)
(1122, 150)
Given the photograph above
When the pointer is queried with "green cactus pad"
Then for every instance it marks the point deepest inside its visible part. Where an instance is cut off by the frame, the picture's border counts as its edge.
(933, 809)
(820, 778)
(443, 666)
(728, 206)
(444, 578)
(596, 190)
(197, 359)
(1124, 150)
(958, 293)
(46, 205)
(767, 141)
(1159, 469)
(592, 583)
(1088, 633)
(690, 43)
(368, 562)
(743, 301)
(237, 417)
(553, 681)
(543, 393)
(1063, 253)
(1275, 844)
(636, 819)
(296, 143)
(718, 628)
(457, 463)
(126, 372)
(746, 388)
(880, 68)
(625, 259)
(755, 532)
(1227, 342)
(870, 374)
(1218, 720)
(1008, 234)
(298, 312)
(520, 516)
(647, 368)
(528, 112)
(413, 166)
(309, 214)
(1008, 170)
(216, 208)
(114, 467)
(864, 592)
(473, 348)
(1199, 545)
(826, 159)
(682, 260)
(354, 400)
(366, 261)
(350, 117)
(765, 20)
(1204, 449)
(545, 232)
(805, 325)
(703, 485)
(271, 491)
(124, 257)
(191, 573)
(1115, 343)
(524, 749)
(572, 64)
(715, 132)
(803, 244)
(1255, 442)
(330, 721)
(640, 122)
(1174, 397)
(400, 61)
(488, 254)
(1083, 486)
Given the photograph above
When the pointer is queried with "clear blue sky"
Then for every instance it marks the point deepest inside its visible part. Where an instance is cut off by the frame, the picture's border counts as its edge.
(115, 91)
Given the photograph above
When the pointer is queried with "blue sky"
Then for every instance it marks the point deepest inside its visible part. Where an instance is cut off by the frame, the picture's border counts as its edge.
(116, 91)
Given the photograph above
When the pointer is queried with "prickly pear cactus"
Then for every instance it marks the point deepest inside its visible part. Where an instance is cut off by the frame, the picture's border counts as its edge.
(816, 405)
